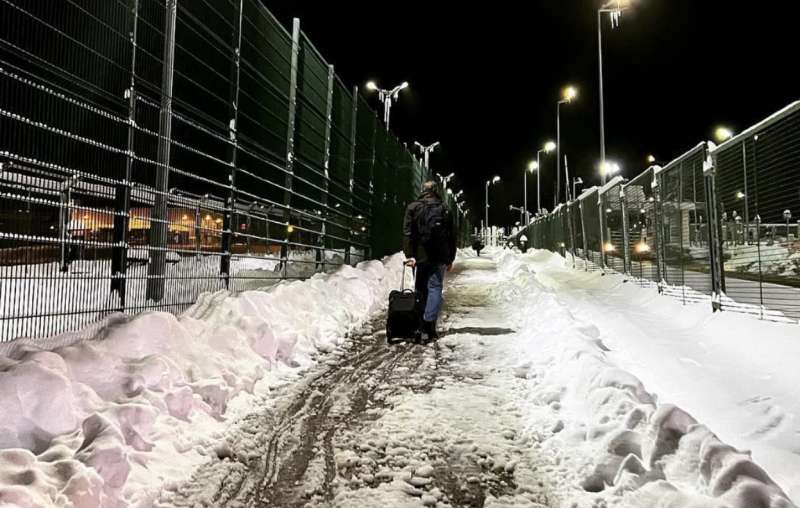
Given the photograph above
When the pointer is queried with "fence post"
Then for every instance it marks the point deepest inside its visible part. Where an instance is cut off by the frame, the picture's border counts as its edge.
(122, 196)
(287, 193)
(351, 175)
(583, 234)
(158, 218)
(660, 260)
(602, 211)
(326, 184)
(372, 188)
(233, 149)
(714, 232)
(626, 240)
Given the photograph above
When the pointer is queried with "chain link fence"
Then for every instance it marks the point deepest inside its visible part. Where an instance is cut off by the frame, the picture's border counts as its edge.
(718, 224)
(152, 150)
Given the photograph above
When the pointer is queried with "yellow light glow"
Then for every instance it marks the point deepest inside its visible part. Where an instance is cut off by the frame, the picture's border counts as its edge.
(218, 221)
(651, 159)
(185, 217)
(740, 195)
(570, 93)
(550, 146)
(642, 247)
(608, 247)
(290, 229)
(723, 134)
(208, 217)
(372, 86)
(533, 166)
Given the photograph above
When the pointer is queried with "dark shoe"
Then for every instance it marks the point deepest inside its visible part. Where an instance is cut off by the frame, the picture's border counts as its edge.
(429, 331)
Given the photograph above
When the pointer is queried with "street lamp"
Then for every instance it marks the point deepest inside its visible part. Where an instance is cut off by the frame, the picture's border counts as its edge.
(489, 183)
(569, 94)
(537, 166)
(614, 9)
(522, 211)
(387, 96)
(723, 134)
(575, 182)
(608, 168)
(426, 152)
(445, 180)
(651, 159)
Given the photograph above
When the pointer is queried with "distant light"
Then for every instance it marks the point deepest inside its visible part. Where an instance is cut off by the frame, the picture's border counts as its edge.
(740, 195)
(495, 179)
(363, 228)
(651, 159)
(569, 93)
(208, 217)
(218, 221)
(550, 146)
(404, 85)
(533, 166)
(609, 168)
(608, 247)
(290, 228)
(723, 134)
(642, 247)
(372, 86)
(450, 191)
(185, 217)
(609, 210)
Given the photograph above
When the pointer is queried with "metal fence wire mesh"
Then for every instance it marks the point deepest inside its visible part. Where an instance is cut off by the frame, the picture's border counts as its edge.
(152, 150)
(639, 205)
(718, 224)
(758, 197)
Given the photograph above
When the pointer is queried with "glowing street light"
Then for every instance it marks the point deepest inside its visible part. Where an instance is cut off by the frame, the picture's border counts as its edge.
(608, 168)
(568, 94)
(489, 183)
(614, 9)
(723, 134)
(387, 96)
(445, 180)
(651, 159)
(426, 152)
(537, 166)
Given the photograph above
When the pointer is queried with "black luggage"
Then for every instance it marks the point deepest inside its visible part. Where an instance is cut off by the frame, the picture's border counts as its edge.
(402, 320)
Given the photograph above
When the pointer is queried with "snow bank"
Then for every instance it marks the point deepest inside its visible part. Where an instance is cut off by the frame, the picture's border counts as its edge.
(611, 439)
(113, 420)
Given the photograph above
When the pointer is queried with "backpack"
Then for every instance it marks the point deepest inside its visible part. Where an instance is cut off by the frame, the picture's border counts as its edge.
(432, 228)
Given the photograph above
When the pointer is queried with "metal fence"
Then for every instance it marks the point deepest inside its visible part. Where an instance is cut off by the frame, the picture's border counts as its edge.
(151, 150)
(719, 223)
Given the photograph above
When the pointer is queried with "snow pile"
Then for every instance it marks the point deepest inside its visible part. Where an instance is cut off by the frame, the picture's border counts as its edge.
(113, 420)
(610, 437)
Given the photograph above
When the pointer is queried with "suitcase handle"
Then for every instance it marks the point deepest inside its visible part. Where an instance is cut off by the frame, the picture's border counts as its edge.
(403, 279)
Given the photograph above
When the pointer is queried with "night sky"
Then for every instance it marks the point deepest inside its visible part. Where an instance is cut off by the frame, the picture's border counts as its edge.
(485, 78)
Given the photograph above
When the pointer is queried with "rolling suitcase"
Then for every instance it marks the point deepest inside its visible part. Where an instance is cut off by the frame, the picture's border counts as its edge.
(402, 320)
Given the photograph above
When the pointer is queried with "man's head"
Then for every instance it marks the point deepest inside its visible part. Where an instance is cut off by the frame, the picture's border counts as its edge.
(430, 187)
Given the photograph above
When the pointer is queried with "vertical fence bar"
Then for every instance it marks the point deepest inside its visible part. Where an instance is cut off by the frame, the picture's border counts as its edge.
(122, 198)
(158, 218)
(714, 232)
(326, 184)
(601, 210)
(583, 234)
(626, 239)
(290, 133)
(351, 175)
(228, 223)
(372, 188)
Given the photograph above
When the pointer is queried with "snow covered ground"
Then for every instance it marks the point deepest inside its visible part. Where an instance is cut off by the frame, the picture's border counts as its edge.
(113, 420)
(552, 387)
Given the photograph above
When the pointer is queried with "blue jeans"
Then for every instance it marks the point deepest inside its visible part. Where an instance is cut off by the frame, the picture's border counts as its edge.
(430, 281)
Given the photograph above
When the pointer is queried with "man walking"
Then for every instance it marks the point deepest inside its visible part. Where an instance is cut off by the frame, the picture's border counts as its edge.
(430, 247)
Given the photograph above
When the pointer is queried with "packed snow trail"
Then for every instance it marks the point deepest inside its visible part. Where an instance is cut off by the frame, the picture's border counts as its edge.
(519, 404)
(391, 425)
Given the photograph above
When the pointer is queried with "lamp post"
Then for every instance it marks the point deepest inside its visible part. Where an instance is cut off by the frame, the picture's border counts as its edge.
(445, 180)
(426, 152)
(575, 182)
(489, 183)
(614, 9)
(522, 212)
(387, 96)
(537, 166)
(567, 96)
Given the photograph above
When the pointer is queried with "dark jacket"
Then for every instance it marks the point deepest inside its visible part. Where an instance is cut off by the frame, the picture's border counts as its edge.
(412, 248)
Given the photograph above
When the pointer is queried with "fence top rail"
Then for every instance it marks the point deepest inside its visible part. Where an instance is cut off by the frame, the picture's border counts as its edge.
(778, 116)
(588, 192)
(617, 180)
(644, 174)
(693, 151)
